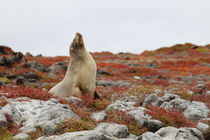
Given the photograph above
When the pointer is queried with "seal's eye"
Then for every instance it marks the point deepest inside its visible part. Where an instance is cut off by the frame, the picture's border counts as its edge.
(71, 49)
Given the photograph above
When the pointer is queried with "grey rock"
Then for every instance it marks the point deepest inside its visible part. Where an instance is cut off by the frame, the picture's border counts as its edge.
(72, 99)
(111, 129)
(28, 129)
(150, 136)
(169, 97)
(202, 126)
(3, 121)
(133, 65)
(44, 114)
(58, 67)
(130, 137)
(151, 65)
(11, 76)
(129, 99)
(167, 132)
(110, 83)
(49, 128)
(120, 106)
(100, 116)
(189, 134)
(103, 131)
(17, 57)
(81, 135)
(30, 75)
(163, 101)
(172, 133)
(103, 72)
(139, 115)
(150, 99)
(21, 136)
(196, 111)
(36, 66)
(178, 104)
(52, 101)
(153, 125)
(13, 113)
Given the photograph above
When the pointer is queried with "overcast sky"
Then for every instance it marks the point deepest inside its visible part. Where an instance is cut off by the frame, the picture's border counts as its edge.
(48, 26)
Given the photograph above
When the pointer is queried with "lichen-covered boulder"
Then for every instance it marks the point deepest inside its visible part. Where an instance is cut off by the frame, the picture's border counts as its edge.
(196, 111)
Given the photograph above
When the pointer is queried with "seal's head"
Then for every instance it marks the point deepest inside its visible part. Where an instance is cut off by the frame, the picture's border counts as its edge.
(77, 46)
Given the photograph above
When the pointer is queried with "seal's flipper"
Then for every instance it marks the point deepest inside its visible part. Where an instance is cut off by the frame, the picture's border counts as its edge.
(96, 96)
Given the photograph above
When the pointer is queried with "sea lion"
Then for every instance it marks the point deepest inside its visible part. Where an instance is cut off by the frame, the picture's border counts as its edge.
(80, 77)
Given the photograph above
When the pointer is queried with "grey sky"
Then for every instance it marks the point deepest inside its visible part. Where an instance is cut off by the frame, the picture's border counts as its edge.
(48, 26)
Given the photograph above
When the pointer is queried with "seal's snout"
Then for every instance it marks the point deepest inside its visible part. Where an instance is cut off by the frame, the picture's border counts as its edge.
(78, 37)
(78, 34)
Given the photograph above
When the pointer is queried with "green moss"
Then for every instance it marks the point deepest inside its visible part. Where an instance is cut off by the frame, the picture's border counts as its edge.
(74, 125)
(202, 49)
(181, 47)
(35, 134)
(5, 134)
(148, 89)
(5, 80)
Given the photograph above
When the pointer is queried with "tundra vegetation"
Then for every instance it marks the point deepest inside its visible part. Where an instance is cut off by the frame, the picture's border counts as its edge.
(182, 70)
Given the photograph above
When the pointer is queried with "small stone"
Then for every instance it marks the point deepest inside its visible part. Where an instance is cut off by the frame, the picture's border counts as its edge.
(167, 132)
(20, 80)
(58, 66)
(189, 134)
(110, 83)
(202, 126)
(12, 76)
(103, 72)
(139, 115)
(178, 104)
(100, 116)
(49, 128)
(150, 136)
(150, 99)
(30, 75)
(21, 136)
(116, 130)
(153, 125)
(120, 106)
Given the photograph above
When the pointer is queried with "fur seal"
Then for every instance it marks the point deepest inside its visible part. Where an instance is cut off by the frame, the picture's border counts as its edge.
(81, 73)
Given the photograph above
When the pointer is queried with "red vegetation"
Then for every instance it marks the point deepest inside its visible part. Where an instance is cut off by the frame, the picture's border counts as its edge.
(121, 117)
(94, 104)
(202, 98)
(162, 82)
(14, 92)
(3, 102)
(169, 117)
(48, 61)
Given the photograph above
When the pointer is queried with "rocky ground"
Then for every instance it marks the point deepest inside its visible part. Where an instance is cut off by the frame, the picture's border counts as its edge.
(157, 95)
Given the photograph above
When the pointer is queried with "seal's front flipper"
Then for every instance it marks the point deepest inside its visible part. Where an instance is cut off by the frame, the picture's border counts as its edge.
(96, 96)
